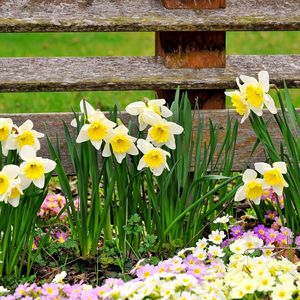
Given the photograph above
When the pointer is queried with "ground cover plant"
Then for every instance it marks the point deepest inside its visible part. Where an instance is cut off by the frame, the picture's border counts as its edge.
(155, 211)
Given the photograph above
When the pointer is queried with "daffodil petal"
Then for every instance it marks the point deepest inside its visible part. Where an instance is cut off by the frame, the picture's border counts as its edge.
(106, 151)
(248, 175)
(26, 126)
(142, 164)
(144, 146)
(270, 104)
(83, 136)
(49, 165)
(263, 78)
(281, 166)
(14, 202)
(135, 108)
(248, 79)
(262, 167)
(27, 153)
(39, 182)
(240, 194)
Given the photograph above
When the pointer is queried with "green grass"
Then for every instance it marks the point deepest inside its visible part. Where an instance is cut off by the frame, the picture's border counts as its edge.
(114, 44)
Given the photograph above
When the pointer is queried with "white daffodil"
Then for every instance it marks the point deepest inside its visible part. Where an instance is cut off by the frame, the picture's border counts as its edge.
(256, 93)
(273, 175)
(121, 144)
(34, 168)
(252, 189)
(6, 125)
(8, 179)
(91, 112)
(162, 133)
(97, 130)
(13, 197)
(239, 103)
(153, 158)
(148, 110)
(24, 135)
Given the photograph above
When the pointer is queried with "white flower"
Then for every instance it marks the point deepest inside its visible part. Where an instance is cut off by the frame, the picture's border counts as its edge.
(162, 133)
(217, 237)
(59, 277)
(252, 189)
(33, 168)
(24, 136)
(202, 243)
(256, 93)
(91, 113)
(97, 130)
(153, 158)
(282, 292)
(6, 125)
(252, 242)
(121, 144)
(238, 246)
(148, 110)
(273, 175)
(200, 254)
(239, 103)
(3, 290)
(215, 251)
(222, 220)
(9, 182)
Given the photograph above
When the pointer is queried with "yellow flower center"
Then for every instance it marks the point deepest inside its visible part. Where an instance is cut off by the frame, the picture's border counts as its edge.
(254, 95)
(240, 106)
(273, 177)
(265, 282)
(15, 193)
(4, 183)
(154, 158)
(155, 108)
(26, 138)
(253, 190)
(120, 143)
(34, 170)
(282, 294)
(159, 133)
(146, 274)
(4, 133)
(97, 131)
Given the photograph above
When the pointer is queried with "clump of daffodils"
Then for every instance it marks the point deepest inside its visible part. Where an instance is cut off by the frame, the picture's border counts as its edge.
(253, 95)
(254, 188)
(116, 139)
(14, 179)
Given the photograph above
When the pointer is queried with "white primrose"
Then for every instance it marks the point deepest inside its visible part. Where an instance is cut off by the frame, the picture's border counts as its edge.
(34, 168)
(256, 93)
(121, 143)
(252, 189)
(273, 175)
(148, 110)
(162, 132)
(153, 158)
(96, 131)
(24, 135)
(6, 125)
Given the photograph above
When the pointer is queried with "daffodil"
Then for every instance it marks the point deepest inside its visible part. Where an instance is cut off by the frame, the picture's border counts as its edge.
(273, 175)
(153, 158)
(162, 133)
(34, 168)
(252, 189)
(8, 180)
(256, 93)
(240, 104)
(121, 143)
(24, 135)
(97, 130)
(90, 111)
(6, 125)
(148, 110)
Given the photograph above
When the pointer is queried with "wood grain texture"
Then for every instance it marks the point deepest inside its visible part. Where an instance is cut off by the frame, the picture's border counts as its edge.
(52, 124)
(194, 4)
(141, 73)
(145, 15)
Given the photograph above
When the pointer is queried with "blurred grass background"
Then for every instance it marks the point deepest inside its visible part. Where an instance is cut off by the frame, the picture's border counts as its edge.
(115, 44)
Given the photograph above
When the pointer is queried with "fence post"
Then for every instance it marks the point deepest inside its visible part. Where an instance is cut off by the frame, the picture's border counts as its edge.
(194, 49)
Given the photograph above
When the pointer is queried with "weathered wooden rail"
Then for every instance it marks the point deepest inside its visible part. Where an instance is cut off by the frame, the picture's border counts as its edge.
(190, 52)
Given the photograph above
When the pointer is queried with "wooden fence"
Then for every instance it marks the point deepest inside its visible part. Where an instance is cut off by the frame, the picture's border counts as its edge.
(189, 44)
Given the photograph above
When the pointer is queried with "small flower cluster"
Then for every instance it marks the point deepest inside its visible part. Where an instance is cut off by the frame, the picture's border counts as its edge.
(15, 179)
(117, 140)
(52, 206)
(252, 95)
(255, 189)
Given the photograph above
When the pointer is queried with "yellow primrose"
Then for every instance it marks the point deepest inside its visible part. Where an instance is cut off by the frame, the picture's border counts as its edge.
(148, 110)
(273, 175)
(252, 189)
(33, 168)
(24, 135)
(162, 132)
(256, 93)
(121, 144)
(153, 158)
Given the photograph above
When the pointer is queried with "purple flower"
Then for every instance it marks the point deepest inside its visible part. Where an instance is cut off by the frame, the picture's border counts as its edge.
(260, 231)
(236, 231)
